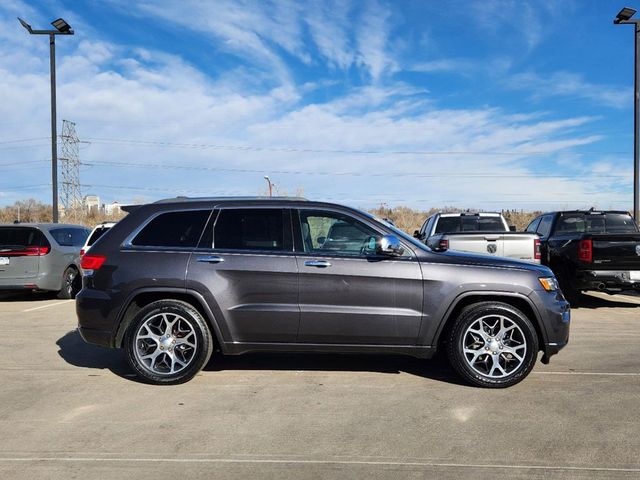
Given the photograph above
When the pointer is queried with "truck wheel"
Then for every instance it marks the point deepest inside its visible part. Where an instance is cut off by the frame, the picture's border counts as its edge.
(492, 345)
(168, 342)
(71, 284)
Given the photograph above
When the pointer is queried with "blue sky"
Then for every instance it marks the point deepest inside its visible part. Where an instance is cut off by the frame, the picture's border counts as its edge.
(488, 104)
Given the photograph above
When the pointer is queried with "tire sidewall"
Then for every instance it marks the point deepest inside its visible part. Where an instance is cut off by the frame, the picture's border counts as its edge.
(455, 345)
(204, 344)
(68, 292)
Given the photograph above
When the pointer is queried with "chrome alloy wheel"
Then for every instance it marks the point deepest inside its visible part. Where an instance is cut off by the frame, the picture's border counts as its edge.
(494, 346)
(166, 343)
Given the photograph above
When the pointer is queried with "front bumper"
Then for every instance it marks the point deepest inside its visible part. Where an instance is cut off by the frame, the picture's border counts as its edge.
(606, 280)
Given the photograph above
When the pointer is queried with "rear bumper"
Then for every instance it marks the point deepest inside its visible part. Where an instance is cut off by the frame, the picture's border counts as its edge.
(96, 317)
(605, 280)
(43, 281)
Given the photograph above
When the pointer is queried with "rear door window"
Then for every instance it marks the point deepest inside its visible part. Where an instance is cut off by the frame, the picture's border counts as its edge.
(173, 229)
(252, 229)
(69, 237)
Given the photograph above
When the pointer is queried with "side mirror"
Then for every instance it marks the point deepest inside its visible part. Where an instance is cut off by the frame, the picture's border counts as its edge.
(321, 240)
(512, 228)
(416, 234)
(389, 245)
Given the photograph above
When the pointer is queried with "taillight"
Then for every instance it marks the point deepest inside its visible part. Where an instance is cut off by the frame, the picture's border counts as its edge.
(536, 249)
(444, 244)
(27, 252)
(585, 251)
(92, 262)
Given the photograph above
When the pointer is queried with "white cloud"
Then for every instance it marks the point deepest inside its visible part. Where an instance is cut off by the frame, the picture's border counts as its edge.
(567, 84)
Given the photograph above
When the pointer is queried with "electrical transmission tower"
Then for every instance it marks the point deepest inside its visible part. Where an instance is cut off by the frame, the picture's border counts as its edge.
(71, 197)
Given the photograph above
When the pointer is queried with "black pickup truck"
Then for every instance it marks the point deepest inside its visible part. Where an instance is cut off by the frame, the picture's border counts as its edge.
(590, 250)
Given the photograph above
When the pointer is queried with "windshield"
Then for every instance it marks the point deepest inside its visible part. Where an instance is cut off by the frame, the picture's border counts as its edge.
(596, 223)
(469, 223)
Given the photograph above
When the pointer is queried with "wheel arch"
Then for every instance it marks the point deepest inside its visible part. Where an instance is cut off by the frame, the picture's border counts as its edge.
(521, 302)
(144, 296)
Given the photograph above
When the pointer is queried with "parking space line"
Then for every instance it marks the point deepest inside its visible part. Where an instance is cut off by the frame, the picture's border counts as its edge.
(610, 374)
(320, 462)
(47, 306)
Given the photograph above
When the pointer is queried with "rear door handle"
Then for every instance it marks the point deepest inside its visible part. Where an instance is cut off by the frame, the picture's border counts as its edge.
(317, 263)
(210, 259)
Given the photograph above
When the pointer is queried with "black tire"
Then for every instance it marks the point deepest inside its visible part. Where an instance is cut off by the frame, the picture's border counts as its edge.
(461, 363)
(71, 284)
(200, 355)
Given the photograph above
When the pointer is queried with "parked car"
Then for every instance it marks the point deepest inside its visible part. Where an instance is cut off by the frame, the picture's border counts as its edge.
(486, 233)
(590, 250)
(177, 277)
(41, 256)
(95, 234)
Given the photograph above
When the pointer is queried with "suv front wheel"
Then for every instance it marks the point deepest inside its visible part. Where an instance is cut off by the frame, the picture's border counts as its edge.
(492, 344)
(168, 342)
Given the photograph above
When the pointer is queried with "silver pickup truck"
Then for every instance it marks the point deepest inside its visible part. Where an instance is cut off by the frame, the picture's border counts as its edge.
(485, 233)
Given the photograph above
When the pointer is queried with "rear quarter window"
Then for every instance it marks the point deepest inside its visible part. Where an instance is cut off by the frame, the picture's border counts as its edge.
(173, 229)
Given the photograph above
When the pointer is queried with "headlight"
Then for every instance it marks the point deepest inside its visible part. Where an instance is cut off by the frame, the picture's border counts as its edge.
(550, 284)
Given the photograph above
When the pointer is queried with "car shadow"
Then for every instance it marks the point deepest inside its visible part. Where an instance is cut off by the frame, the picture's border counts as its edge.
(594, 302)
(75, 351)
(436, 368)
(26, 296)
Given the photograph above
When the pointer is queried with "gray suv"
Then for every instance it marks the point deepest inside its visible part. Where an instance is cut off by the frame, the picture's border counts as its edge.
(41, 256)
(177, 278)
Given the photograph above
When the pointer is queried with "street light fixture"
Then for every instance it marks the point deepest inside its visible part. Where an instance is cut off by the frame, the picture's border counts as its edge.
(625, 17)
(62, 28)
(266, 177)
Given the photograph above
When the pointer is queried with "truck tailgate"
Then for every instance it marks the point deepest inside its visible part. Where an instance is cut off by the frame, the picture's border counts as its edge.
(616, 251)
(520, 246)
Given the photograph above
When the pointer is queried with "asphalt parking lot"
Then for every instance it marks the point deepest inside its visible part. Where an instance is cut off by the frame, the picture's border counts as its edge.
(70, 410)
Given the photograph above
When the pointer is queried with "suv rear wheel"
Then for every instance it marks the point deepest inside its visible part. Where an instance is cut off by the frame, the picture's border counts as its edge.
(168, 342)
(492, 344)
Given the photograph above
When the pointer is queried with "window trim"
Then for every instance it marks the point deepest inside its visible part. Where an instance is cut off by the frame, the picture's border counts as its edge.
(127, 244)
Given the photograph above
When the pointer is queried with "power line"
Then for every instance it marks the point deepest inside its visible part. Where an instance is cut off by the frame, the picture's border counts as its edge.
(115, 141)
(356, 174)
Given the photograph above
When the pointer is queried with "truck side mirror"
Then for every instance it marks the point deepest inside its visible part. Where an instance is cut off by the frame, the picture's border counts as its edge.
(512, 228)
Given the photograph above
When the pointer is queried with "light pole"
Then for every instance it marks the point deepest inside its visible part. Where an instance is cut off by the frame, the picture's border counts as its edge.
(266, 177)
(62, 28)
(624, 17)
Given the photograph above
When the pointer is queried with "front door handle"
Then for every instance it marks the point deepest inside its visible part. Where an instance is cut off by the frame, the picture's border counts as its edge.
(210, 259)
(317, 263)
